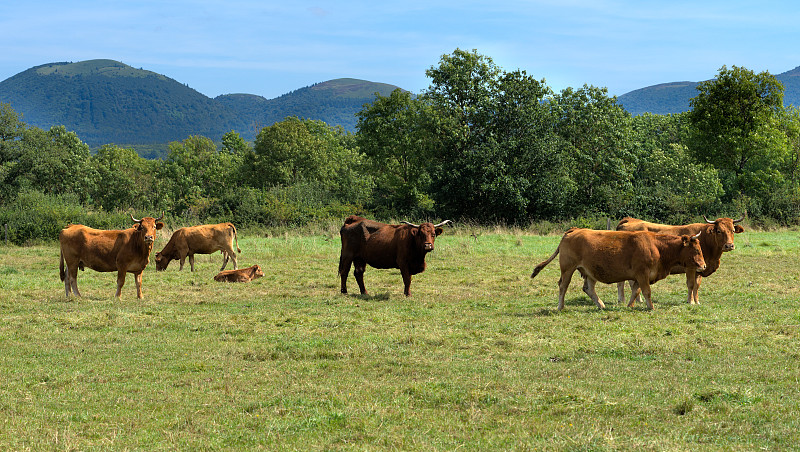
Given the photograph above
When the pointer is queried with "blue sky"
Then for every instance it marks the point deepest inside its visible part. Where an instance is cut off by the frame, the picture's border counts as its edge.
(270, 48)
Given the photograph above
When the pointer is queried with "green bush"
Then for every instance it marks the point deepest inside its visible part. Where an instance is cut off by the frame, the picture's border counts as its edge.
(34, 216)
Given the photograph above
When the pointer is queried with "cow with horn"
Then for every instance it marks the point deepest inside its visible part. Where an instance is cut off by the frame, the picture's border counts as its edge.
(716, 237)
(403, 246)
(122, 251)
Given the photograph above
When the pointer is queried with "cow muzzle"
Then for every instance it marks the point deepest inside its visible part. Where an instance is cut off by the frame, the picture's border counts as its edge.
(149, 239)
(701, 268)
(428, 246)
(729, 247)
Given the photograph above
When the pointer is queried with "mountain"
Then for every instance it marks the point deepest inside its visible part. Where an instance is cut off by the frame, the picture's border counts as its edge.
(105, 101)
(674, 97)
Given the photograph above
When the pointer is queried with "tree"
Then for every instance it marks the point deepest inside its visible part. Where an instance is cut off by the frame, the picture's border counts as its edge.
(53, 161)
(192, 175)
(668, 184)
(302, 150)
(595, 131)
(736, 130)
(487, 126)
(393, 133)
(123, 179)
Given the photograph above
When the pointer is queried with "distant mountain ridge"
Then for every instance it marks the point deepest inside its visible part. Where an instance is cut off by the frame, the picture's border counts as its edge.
(106, 101)
(674, 97)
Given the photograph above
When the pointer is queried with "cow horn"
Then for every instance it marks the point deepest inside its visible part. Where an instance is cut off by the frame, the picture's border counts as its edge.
(134, 219)
(697, 236)
(442, 223)
(740, 219)
(410, 224)
(162, 216)
(708, 221)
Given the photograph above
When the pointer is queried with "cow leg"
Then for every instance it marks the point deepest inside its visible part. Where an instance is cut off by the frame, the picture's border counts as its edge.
(589, 284)
(406, 282)
(225, 260)
(621, 292)
(137, 277)
(690, 281)
(183, 261)
(358, 272)
(72, 275)
(645, 286)
(563, 284)
(635, 291)
(344, 270)
(191, 261)
(120, 282)
(232, 257)
(696, 291)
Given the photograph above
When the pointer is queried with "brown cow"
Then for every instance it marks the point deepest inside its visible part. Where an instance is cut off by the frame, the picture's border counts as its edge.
(241, 275)
(614, 256)
(381, 245)
(125, 251)
(203, 239)
(716, 237)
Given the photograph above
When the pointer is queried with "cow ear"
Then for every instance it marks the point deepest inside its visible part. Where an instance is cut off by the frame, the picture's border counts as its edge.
(414, 231)
(737, 229)
(439, 231)
(159, 225)
(686, 239)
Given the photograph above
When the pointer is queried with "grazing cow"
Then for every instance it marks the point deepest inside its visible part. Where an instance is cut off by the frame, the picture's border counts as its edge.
(204, 239)
(614, 256)
(241, 275)
(381, 245)
(716, 237)
(125, 251)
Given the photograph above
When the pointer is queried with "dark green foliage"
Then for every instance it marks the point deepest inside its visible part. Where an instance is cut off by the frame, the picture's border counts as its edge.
(481, 145)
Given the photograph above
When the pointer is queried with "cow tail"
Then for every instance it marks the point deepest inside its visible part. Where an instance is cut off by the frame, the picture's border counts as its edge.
(236, 238)
(544, 264)
(61, 272)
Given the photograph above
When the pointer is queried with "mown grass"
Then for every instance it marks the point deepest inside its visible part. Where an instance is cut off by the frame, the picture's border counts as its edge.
(477, 359)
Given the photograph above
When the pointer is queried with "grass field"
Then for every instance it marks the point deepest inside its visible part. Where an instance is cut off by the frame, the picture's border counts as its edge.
(477, 359)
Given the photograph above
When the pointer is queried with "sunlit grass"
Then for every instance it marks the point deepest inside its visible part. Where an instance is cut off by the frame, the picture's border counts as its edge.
(478, 358)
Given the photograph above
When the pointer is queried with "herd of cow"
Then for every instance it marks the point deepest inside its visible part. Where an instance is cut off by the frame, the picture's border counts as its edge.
(638, 252)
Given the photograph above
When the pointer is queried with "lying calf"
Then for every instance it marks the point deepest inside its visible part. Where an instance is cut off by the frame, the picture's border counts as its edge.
(241, 275)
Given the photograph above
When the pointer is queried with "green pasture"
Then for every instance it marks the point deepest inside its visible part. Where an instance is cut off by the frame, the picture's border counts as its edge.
(477, 359)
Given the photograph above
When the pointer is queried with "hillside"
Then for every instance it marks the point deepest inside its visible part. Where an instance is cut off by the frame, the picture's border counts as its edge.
(674, 97)
(105, 101)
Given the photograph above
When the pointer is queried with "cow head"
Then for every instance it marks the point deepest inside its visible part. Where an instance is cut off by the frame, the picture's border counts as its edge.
(162, 261)
(257, 272)
(425, 234)
(692, 252)
(147, 228)
(721, 232)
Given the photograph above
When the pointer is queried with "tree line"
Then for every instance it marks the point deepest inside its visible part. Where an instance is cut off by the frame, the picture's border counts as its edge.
(478, 144)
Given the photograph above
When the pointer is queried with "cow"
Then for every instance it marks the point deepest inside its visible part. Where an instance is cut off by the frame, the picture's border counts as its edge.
(613, 256)
(381, 245)
(241, 275)
(203, 239)
(123, 251)
(716, 237)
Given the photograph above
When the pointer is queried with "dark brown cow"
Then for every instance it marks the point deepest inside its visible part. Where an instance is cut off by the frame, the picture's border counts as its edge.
(125, 251)
(614, 256)
(716, 237)
(381, 245)
(203, 239)
(241, 275)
